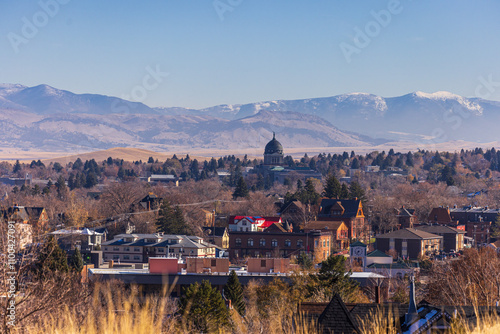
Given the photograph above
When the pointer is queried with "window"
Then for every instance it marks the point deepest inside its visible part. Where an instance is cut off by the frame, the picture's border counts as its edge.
(391, 243)
(274, 243)
(116, 249)
(250, 242)
(161, 250)
(105, 248)
(262, 263)
(237, 242)
(300, 243)
(262, 242)
(137, 257)
(137, 249)
(288, 243)
(324, 243)
(116, 257)
(316, 243)
(126, 257)
(127, 249)
(328, 243)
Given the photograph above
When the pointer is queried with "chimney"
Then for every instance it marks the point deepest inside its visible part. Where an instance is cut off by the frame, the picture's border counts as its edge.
(412, 313)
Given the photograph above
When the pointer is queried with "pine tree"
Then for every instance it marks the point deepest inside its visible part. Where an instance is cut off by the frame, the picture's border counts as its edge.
(241, 188)
(344, 191)
(76, 261)
(332, 278)
(234, 292)
(51, 259)
(332, 187)
(308, 194)
(62, 190)
(203, 308)
(17, 167)
(171, 220)
(356, 191)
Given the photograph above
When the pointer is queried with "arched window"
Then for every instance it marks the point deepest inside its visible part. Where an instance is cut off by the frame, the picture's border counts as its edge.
(262, 242)
(288, 243)
(274, 243)
(250, 242)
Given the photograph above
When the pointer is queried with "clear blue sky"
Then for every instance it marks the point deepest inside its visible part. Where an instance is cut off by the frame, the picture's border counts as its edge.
(261, 50)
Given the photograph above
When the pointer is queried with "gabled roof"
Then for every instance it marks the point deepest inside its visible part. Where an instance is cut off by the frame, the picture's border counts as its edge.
(350, 206)
(404, 212)
(377, 253)
(275, 227)
(337, 319)
(333, 225)
(408, 233)
(358, 244)
(219, 231)
(296, 203)
(439, 229)
(441, 215)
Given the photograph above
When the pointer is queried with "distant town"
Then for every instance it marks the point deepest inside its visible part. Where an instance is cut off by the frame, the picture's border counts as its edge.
(403, 230)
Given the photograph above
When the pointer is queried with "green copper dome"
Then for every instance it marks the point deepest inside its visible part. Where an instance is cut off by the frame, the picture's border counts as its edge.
(273, 146)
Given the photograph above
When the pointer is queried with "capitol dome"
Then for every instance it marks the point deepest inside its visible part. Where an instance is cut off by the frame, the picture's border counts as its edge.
(273, 153)
(273, 146)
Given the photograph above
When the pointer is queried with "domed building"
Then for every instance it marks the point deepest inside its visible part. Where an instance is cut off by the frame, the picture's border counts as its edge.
(273, 153)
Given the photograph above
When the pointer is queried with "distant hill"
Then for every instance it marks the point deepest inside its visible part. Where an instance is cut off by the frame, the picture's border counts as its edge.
(47, 119)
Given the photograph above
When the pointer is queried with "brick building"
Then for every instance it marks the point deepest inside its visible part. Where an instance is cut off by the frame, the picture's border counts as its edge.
(279, 244)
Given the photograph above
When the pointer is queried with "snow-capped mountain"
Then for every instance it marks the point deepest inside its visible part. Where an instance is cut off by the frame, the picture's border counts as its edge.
(418, 116)
(44, 117)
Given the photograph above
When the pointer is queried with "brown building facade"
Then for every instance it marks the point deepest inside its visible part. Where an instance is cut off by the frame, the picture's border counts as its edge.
(279, 244)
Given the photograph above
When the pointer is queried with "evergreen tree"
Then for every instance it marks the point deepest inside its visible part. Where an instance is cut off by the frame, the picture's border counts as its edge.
(234, 292)
(332, 187)
(332, 278)
(57, 167)
(203, 308)
(171, 220)
(355, 163)
(50, 259)
(241, 189)
(17, 167)
(356, 191)
(344, 191)
(308, 194)
(76, 261)
(151, 160)
(62, 190)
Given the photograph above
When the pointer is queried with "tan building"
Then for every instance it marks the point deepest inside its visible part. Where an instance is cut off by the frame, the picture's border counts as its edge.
(410, 243)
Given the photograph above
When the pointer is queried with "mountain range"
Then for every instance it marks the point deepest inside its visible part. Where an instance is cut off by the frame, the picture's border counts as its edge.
(50, 119)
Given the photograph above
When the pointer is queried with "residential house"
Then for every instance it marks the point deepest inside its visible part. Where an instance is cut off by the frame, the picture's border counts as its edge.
(217, 235)
(295, 213)
(85, 240)
(251, 224)
(350, 211)
(410, 243)
(453, 238)
(139, 247)
(340, 232)
(442, 216)
(406, 218)
(150, 202)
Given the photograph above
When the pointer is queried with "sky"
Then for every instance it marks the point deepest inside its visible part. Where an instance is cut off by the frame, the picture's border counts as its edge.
(200, 53)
